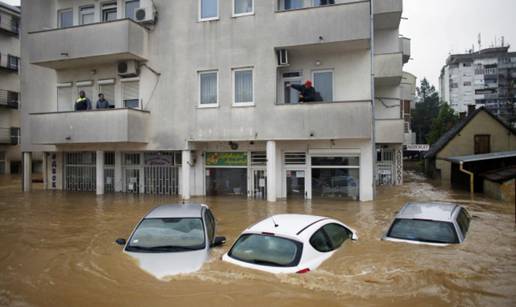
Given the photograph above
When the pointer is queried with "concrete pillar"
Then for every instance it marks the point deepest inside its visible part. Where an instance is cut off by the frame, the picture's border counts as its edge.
(186, 159)
(45, 171)
(100, 172)
(118, 172)
(271, 171)
(27, 171)
(367, 169)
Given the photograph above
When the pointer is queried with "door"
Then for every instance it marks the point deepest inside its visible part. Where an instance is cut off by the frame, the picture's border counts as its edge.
(259, 184)
(295, 184)
(132, 180)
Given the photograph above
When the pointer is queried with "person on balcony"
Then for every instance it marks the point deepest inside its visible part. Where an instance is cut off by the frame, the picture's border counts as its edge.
(82, 103)
(102, 103)
(306, 91)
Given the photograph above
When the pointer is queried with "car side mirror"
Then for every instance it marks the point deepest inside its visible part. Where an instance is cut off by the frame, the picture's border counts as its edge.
(121, 241)
(218, 241)
(354, 236)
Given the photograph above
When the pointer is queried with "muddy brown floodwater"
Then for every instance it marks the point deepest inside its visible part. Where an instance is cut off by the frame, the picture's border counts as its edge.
(57, 249)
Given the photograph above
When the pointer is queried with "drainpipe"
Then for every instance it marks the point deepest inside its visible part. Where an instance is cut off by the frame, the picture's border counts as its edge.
(471, 178)
(373, 116)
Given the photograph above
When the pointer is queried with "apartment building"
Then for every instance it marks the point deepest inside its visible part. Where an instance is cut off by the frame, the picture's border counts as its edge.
(483, 78)
(200, 96)
(10, 155)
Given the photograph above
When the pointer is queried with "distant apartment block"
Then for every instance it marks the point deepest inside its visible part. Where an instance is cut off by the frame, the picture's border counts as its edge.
(483, 78)
(10, 155)
(200, 96)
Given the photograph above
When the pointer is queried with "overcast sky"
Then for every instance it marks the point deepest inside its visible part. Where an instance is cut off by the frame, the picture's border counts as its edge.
(438, 27)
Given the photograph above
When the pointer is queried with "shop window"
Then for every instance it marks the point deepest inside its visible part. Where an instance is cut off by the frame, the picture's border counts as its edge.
(482, 144)
(335, 183)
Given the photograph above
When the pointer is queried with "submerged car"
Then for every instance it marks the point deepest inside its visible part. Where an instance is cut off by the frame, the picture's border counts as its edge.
(173, 239)
(289, 243)
(437, 224)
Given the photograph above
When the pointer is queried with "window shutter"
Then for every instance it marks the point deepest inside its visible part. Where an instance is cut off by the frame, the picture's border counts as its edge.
(131, 93)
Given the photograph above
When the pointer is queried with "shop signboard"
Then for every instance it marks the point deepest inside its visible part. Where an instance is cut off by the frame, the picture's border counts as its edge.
(226, 159)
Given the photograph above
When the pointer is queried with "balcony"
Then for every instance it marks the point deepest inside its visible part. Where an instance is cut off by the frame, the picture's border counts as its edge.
(387, 14)
(390, 131)
(95, 126)
(90, 44)
(345, 21)
(331, 120)
(8, 99)
(388, 68)
(405, 49)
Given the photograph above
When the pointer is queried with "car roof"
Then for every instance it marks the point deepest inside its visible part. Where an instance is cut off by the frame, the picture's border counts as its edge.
(287, 224)
(429, 211)
(177, 210)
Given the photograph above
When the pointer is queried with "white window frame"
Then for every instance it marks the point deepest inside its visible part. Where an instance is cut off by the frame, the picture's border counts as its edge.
(242, 14)
(81, 14)
(209, 18)
(243, 104)
(210, 105)
(107, 5)
(125, 9)
(59, 14)
(332, 81)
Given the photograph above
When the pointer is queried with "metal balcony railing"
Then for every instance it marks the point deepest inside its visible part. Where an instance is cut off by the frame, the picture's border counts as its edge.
(10, 24)
(10, 136)
(9, 99)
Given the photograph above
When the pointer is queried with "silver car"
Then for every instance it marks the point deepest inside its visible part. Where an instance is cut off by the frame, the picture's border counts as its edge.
(430, 223)
(173, 239)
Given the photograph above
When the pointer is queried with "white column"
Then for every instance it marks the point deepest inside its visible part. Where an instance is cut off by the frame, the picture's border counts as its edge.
(118, 172)
(271, 171)
(100, 172)
(367, 168)
(27, 171)
(186, 159)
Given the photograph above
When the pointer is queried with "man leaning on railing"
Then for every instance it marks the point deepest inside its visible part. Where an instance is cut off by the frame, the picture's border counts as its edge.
(82, 103)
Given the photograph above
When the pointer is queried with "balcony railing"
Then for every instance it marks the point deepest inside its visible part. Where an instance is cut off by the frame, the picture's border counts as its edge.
(9, 62)
(103, 42)
(9, 24)
(9, 99)
(88, 127)
(9, 136)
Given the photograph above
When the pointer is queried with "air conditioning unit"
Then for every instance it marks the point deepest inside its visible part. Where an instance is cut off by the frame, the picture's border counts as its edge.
(146, 15)
(283, 57)
(127, 69)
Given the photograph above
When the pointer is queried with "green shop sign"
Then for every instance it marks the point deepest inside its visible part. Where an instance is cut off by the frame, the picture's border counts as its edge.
(226, 159)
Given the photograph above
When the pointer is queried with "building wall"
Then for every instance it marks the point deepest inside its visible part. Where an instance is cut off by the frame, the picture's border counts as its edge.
(500, 191)
(463, 143)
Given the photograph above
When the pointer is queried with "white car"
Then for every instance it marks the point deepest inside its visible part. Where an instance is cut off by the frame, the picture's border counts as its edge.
(289, 243)
(173, 239)
(437, 224)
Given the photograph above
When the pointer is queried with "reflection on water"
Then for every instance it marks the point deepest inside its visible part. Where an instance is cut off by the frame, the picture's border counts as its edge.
(58, 250)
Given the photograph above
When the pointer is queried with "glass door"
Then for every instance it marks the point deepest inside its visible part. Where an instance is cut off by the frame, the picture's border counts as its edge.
(259, 184)
(295, 184)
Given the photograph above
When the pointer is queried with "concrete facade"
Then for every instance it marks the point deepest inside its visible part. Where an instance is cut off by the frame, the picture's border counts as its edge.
(173, 54)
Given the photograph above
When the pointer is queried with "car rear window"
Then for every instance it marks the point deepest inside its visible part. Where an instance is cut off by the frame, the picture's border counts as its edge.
(423, 231)
(267, 250)
(463, 221)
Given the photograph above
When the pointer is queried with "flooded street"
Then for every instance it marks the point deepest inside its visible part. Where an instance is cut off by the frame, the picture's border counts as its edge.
(58, 250)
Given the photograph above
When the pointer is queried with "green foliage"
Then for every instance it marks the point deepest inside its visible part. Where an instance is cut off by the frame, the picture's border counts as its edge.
(445, 120)
(427, 109)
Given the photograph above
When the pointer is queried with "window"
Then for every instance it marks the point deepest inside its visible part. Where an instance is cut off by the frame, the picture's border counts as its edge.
(87, 15)
(463, 221)
(323, 2)
(209, 9)
(467, 83)
(130, 8)
(329, 237)
(131, 93)
(15, 136)
(208, 84)
(323, 83)
(291, 4)
(243, 7)
(109, 12)
(12, 99)
(243, 87)
(65, 18)
(107, 87)
(482, 144)
(320, 241)
(210, 225)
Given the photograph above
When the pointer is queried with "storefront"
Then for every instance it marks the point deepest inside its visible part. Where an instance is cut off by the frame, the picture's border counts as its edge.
(226, 173)
(335, 176)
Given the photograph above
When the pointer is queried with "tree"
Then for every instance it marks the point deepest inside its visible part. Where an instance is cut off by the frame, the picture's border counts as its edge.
(445, 120)
(427, 109)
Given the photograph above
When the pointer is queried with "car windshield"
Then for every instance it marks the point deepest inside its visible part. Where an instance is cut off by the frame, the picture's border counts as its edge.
(267, 250)
(168, 235)
(423, 230)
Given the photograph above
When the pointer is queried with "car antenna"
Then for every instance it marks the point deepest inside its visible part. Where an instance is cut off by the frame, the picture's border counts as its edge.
(275, 224)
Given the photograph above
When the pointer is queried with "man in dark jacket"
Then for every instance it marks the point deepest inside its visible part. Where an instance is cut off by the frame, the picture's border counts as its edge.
(102, 103)
(306, 91)
(82, 103)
